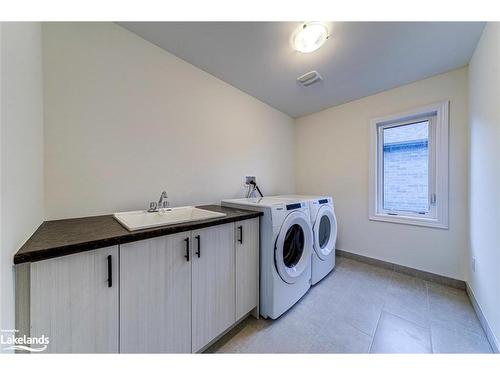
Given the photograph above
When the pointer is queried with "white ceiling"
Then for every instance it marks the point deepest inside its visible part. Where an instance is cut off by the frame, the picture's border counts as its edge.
(359, 59)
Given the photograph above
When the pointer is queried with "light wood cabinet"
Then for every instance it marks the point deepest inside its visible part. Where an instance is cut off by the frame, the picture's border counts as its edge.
(155, 295)
(168, 294)
(213, 275)
(247, 266)
(74, 304)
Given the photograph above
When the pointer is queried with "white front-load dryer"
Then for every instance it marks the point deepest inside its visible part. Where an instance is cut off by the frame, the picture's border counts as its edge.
(286, 241)
(324, 226)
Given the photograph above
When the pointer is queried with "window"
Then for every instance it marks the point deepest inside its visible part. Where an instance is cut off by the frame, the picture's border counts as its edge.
(409, 167)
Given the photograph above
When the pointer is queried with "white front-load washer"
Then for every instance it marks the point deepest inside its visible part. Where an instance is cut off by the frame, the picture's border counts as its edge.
(286, 242)
(324, 225)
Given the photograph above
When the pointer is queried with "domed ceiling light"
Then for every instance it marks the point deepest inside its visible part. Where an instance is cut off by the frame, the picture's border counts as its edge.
(310, 36)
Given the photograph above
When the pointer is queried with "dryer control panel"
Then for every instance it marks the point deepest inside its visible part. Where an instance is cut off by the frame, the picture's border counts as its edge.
(294, 206)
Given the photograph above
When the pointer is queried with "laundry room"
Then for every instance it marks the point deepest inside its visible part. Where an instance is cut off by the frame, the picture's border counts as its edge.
(235, 186)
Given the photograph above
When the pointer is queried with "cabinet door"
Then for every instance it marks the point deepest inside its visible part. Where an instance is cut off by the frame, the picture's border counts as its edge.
(213, 283)
(73, 303)
(247, 266)
(155, 295)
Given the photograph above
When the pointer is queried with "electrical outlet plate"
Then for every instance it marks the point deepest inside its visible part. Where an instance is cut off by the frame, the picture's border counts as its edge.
(249, 179)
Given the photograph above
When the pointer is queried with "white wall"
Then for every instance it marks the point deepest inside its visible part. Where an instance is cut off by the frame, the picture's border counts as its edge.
(484, 175)
(125, 120)
(332, 154)
(21, 149)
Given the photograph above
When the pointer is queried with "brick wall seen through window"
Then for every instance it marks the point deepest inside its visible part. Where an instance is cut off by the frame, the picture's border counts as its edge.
(406, 168)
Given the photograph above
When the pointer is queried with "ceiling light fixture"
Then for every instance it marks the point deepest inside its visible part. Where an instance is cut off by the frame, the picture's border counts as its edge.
(310, 36)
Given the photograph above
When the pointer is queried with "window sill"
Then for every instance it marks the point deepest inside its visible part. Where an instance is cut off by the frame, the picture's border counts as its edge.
(409, 220)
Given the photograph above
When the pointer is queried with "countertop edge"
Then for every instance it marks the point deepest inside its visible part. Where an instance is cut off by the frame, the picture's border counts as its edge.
(58, 251)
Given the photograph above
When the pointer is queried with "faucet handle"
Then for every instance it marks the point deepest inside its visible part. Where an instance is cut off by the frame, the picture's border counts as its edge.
(152, 206)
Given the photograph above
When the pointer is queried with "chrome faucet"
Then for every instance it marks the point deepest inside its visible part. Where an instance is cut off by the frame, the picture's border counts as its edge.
(162, 203)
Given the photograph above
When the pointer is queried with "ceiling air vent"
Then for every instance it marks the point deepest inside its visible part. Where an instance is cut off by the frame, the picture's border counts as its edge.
(309, 78)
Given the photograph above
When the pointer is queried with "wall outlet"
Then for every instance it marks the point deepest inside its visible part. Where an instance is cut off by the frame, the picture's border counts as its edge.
(250, 179)
(473, 264)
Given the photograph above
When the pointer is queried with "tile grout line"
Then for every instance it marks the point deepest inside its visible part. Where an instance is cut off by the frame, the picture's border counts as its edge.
(429, 317)
(376, 327)
(404, 318)
(409, 321)
(374, 333)
(381, 311)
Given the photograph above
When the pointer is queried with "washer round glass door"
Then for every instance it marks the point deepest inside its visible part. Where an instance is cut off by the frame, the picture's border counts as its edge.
(292, 251)
(325, 232)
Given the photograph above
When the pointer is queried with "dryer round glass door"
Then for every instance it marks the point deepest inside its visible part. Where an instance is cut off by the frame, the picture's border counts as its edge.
(325, 232)
(292, 251)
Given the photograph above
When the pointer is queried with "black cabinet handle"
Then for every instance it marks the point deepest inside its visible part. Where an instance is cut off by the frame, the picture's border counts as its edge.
(240, 228)
(110, 271)
(198, 252)
(187, 248)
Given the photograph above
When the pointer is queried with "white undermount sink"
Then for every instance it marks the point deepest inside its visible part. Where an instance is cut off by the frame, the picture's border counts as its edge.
(135, 220)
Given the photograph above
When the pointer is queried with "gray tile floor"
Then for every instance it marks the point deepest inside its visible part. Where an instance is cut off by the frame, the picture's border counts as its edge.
(361, 308)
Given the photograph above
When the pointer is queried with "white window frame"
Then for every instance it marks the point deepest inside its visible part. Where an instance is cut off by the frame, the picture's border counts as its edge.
(437, 114)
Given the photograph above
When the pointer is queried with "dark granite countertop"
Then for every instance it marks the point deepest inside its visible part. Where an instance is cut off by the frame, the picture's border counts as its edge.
(63, 237)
